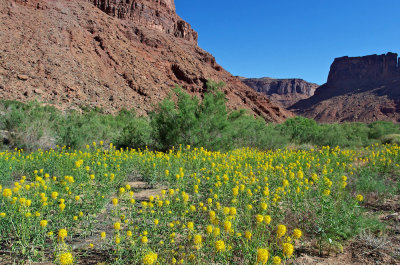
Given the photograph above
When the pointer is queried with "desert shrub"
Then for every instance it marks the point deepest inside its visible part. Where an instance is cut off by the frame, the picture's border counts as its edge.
(344, 135)
(136, 134)
(391, 139)
(209, 124)
(300, 129)
(28, 126)
(75, 129)
(190, 121)
(34, 136)
(331, 135)
(180, 119)
(357, 134)
(70, 131)
(31, 126)
(380, 128)
(245, 130)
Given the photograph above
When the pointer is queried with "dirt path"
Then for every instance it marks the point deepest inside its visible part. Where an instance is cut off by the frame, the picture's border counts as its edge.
(87, 255)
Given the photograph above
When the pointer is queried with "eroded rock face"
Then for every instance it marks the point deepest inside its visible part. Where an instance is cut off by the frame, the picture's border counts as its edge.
(283, 91)
(157, 14)
(72, 54)
(363, 89)
(366, 69)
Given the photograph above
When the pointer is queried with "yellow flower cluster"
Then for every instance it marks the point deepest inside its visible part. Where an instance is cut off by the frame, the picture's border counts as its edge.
(150, 258)
(66, 258)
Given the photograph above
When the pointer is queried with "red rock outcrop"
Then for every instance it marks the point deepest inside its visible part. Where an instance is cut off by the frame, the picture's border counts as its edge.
(361, 70)
(109, 54)
(285, 92)
(358, 89)
(155, 14)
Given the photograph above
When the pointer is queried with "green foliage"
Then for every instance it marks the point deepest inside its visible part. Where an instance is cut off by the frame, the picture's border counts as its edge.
(27, 125)
(136, 134)
(380, 128)
(207, 123)
(391, 139)
(180, 119)
(368, 181)
(250, 132)
(190, 121)
(345, 135)
(31, 126)
(300, 129)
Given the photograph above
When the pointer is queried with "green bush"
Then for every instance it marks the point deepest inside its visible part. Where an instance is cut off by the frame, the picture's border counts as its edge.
(136, 134)
(250, 132)
(28, 126)
(391, 139)
(380, 128)
(300, 129)
(207, 123)
(180, 119)
(190, 121)
(31, 126)
(344, 135)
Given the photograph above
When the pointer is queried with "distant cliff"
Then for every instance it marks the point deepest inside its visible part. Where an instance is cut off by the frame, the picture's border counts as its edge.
(284, 91)
(358, 89)
(364, 70)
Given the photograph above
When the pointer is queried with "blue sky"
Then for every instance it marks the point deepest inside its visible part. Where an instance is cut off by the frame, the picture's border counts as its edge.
(292, 38)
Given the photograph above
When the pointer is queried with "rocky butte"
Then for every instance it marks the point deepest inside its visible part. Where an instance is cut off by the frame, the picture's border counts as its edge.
(358, 89)
(109, 54)
(285, 92)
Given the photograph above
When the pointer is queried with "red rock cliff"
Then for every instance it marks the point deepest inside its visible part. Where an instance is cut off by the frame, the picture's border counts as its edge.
(358, 89)
(283, 91)
(372, 68)
(73, 53)
(156, 14)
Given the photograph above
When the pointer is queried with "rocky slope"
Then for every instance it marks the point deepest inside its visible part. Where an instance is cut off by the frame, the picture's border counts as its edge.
(109, 54)
(358, 89)
(283, 91)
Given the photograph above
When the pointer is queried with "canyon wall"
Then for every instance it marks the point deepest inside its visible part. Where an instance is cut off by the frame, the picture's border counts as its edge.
(283, 91)
(366, 69)
(363, 89)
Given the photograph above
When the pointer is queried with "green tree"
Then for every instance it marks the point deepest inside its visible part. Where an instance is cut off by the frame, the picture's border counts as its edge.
(189, 121)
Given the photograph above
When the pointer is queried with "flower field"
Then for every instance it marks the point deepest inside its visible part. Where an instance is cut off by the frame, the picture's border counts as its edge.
(241, 207)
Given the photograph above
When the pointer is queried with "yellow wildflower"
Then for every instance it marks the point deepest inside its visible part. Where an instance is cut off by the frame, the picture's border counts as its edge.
(43, 223)
(66, 258)
(262, 255)
(297, 233)
(276, 260)
(150, 258)
(62, 234)
(288, 249)
(281, 230)
(220, 246)
(117, 226)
